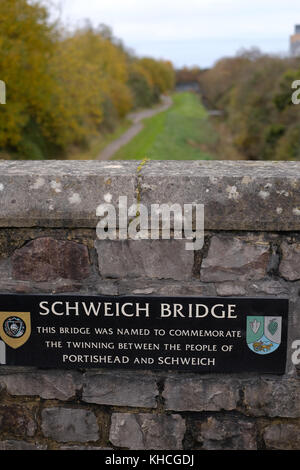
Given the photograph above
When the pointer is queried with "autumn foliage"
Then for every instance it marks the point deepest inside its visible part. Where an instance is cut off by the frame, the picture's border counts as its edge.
(64, 87)
(254, 91)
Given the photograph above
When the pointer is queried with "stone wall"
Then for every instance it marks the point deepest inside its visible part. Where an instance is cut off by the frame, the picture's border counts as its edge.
(48, 244)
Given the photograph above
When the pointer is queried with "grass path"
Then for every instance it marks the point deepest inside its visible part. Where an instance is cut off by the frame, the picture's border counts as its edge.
(137, 125)
(183, 132)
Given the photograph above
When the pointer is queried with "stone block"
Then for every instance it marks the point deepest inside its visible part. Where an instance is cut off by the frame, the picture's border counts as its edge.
(234, 259)
(17, 420)
(230, 433)
(46, 259)
(236, 195)
(273, 397)
(12, 444)
(230, 289)
(120, 389)
(146, 431)
(165, 287)
(289, 267)
(163, 259)
(282, 436)
(60, 385)
(60, 193)
(270, 287)
(69, 425)
(184, 393)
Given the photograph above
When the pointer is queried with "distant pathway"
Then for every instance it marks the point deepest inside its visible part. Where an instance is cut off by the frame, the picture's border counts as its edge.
(136, 127)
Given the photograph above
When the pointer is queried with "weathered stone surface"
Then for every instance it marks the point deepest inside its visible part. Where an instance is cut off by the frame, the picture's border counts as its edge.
(273, 397)
(9, 243)
(165, 287)
(120, 389)
(107, 287)
(163, 259)
(289, 267)
(185, 393)
(69, 425)
(17, 421)
(226, 434)
(57, 286)
(56, 193)
(236, 288)
(46, 259)
(267, 192)
(282, 436)
(270, 287)
(230, 289)
(61, 193)
(60, 385)
(234, 259)
(12, 444)
(13, 238)
(147, 431)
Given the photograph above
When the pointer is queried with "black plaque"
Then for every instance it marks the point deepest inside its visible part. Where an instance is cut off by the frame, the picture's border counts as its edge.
(198, 334)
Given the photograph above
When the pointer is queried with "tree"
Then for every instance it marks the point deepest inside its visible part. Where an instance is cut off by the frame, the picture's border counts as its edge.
(26, 45)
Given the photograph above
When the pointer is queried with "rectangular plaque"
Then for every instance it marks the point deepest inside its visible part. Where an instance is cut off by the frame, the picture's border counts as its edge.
(198, 334)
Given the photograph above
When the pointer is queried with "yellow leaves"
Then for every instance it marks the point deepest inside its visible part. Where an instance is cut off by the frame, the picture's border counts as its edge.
(148, 78)
(120, 96)
(161, 73)
(65, 84)
(23, 41)
(138, 69)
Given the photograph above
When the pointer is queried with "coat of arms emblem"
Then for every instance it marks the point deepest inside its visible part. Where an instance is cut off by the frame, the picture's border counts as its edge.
(15, 328)
(263, 333)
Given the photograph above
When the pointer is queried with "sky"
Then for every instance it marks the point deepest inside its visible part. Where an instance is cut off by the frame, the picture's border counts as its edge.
(189, 32)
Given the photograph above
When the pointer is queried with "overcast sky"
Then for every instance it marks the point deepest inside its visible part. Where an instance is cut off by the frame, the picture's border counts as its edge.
(190, 32)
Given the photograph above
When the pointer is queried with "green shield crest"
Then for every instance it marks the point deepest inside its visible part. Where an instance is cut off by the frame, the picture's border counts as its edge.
(263, 334)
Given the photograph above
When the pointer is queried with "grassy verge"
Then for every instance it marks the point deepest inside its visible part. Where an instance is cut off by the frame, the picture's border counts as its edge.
(183, 132)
